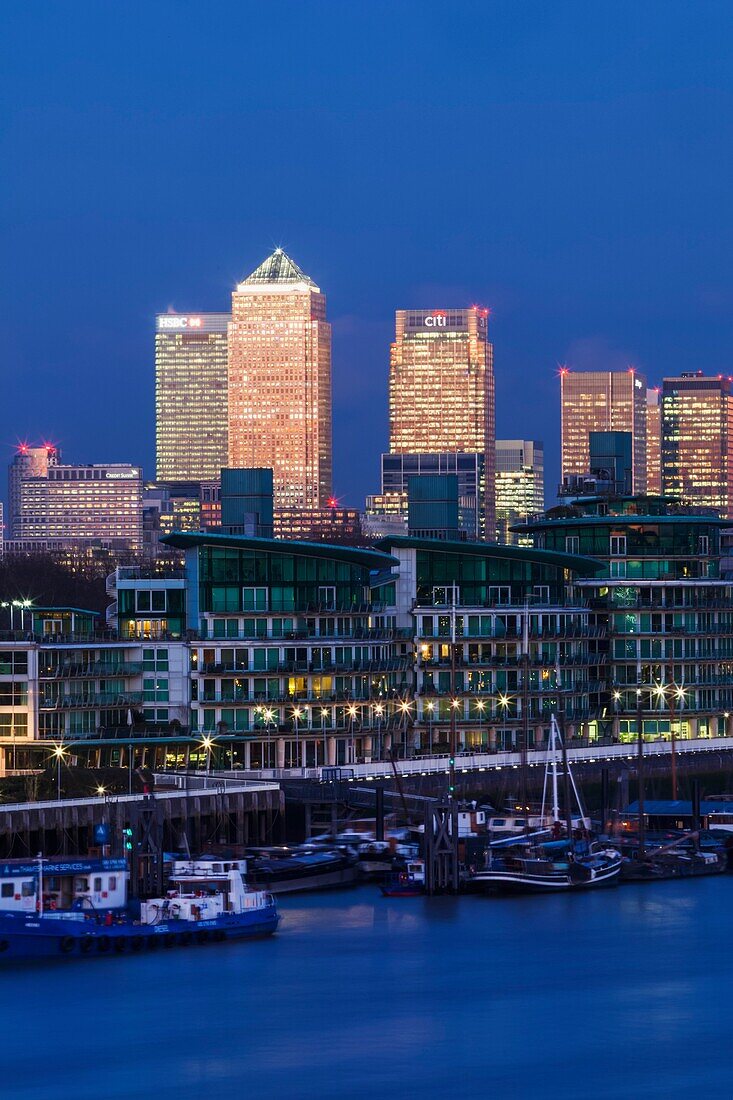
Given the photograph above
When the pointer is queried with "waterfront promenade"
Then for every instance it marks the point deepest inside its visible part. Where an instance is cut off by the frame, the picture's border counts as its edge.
(587, 753)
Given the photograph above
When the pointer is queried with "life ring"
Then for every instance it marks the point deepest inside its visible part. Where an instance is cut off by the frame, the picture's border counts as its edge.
(103, 944)
(86, 944)
(67, 944)
(137, 943)
(202, 936)
(120, 944)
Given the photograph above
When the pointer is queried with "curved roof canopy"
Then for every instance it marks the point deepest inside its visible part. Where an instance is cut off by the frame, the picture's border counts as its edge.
(354, 555)
(578, 563)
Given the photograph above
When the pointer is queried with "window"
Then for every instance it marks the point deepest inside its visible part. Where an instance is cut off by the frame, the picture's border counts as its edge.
(8, 890)
(28, 889)
(541, 593)
(703, 545)
(254, 599)
(500, 595)
(618, 569)
(448, 594)
(572, 544)
(113, 882)
(97, 885)
(327, 597)
(618, 546)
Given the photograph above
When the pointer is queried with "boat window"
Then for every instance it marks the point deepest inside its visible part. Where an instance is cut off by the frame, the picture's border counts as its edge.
(82, 884)
(520, 821)
(28, 889)
(498, 823)
(8, 890)
(113, 882)
(97, 884)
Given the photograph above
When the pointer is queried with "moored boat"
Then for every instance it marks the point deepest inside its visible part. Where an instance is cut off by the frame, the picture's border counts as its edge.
(409, 883)
(72, 908)
(288, 870)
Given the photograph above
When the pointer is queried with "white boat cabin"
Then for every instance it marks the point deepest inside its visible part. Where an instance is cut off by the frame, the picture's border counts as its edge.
(65, 885)
(203, 890)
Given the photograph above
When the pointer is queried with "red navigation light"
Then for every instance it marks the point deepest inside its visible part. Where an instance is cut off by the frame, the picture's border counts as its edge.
(332, 502)
(562, 370)
(22, 448)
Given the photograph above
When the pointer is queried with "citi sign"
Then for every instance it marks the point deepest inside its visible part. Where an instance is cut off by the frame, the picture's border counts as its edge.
(180, 322)
(435, 320)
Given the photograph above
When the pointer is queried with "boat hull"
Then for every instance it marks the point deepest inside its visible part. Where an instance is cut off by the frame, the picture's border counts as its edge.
(325, 880)
(519, 882)
(29, 937)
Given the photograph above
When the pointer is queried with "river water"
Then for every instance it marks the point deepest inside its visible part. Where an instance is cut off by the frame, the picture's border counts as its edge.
(621, 994)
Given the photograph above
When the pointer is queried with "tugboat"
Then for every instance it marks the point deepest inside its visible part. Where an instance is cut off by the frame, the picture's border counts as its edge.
(72, 908)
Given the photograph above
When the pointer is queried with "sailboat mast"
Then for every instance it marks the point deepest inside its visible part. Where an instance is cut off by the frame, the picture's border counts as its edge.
(525, 715)
(640, 771)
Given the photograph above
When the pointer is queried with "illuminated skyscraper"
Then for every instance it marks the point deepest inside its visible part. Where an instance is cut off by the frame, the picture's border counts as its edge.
(280, 382)
(27, 462)
(653, 442)
(190, 396)
(697, 441)
(520, 486)
(602, 401)
(441, 388)
(65, 504)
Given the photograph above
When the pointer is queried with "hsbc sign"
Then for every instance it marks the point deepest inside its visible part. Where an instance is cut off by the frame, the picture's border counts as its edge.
(175, 322)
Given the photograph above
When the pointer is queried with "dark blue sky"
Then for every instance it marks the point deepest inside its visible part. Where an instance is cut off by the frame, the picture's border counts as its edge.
(568, 164)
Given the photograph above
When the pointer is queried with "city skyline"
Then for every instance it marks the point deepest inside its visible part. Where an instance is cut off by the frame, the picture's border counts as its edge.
(615, 253)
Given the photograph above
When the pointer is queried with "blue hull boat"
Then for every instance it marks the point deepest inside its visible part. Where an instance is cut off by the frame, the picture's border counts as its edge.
(52, 936)
(79, 908)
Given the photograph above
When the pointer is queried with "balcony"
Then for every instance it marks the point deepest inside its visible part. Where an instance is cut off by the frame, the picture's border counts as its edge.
(92, 702)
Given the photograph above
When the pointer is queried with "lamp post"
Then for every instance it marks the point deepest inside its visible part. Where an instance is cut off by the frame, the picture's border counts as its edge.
(352, 715)
(379, 711)
(297, 714)
(480, 707)
(405, 711)
(59, 751)
(207, 743)
(430, 707)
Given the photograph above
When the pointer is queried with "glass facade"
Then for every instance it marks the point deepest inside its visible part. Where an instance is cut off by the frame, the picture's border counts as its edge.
(520, 486)
(441, 388)
(697, 441)
(663, 613)
(602, 401)
(190, 396)
(653, 441)
(280, 382)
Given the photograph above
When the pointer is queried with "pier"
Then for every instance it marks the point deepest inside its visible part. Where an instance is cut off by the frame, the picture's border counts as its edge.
(201, 811)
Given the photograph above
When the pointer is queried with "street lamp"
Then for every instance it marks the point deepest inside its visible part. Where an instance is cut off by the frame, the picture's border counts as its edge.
(297, 714)
(352, 715)
(59, 751)
(101, 791)
(207, 743)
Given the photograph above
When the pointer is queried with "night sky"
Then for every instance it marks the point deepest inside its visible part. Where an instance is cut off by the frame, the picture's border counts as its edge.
(566, 164)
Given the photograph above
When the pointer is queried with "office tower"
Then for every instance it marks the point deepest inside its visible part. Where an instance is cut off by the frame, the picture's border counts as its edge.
(73, 504)
(653, 442)
(602, 401)
(280, 382)
(190, 396)
(697, 441)
(441, 388)
(520, 485)
(27, 462)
